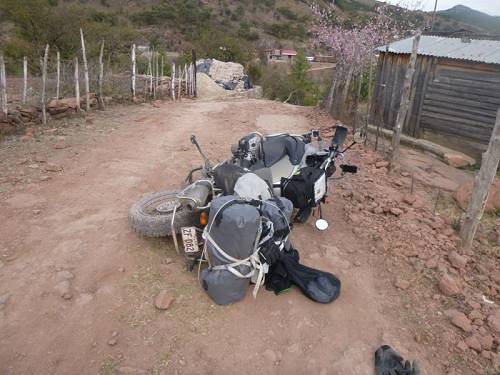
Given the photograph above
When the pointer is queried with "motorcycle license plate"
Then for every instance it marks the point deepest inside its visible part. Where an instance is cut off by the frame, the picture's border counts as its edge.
(189, 240)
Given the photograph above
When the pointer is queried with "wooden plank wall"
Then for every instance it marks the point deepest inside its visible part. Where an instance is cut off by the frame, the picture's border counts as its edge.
(461, 100)
(450, 98)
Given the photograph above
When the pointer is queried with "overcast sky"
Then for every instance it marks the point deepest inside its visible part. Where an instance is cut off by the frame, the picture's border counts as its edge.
(487, 6)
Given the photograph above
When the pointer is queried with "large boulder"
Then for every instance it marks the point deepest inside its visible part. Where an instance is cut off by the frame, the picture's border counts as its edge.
(229, 75)
(463, 192)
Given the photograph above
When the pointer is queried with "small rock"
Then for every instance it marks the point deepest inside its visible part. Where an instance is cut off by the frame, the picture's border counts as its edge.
(458, 261)
(163, 300)
(114, 334)
(462, 346)
(409, 199)
(67, 296)
(357, 263)
(449, 286)
(459, 320)
(60, 143)
(486, 342)
(476, 314)
(270, 355)
(494, 321)
(121, 269)
(37, 212)
(486, 354)
(63, 287)
(4, 298)
(51, 167)
(396, 211)
(44, 178)
(382, 164)
(402, 284)
(473, 343)
(168, 260)
(40, 159)
(112, 342)
(431, 263)
(33, 166)
(64, 275)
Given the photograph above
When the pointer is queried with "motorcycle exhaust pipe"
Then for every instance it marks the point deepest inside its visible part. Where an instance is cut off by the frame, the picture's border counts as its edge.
(195, 195)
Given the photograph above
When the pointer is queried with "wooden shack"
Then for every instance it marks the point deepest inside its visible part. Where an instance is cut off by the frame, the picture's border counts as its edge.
(455, 92)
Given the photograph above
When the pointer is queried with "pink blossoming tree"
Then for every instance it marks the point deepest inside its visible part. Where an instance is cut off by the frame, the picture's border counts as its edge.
(354, 46)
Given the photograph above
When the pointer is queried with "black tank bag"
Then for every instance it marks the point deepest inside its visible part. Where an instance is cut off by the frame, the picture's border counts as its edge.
(300, 188)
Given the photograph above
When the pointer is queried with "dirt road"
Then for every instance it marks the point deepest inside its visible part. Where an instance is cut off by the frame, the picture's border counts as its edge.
(80, 284)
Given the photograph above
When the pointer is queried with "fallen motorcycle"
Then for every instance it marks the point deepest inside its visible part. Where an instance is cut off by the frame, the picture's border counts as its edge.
(296, 167)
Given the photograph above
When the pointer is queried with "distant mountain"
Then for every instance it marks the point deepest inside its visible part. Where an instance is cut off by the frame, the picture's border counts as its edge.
(483, 21)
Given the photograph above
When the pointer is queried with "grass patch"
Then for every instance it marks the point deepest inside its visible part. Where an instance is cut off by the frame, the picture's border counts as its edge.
(109, 367)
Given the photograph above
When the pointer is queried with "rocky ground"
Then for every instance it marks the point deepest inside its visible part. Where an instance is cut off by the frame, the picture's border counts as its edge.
(80, 290)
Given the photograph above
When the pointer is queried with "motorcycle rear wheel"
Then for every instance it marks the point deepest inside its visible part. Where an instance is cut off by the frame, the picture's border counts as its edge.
(152, 215)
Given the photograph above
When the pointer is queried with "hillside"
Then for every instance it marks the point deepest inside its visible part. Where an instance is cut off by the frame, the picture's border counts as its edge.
(489, 24)
(241, 27)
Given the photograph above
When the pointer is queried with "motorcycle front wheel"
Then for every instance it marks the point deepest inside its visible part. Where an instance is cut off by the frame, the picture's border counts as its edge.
(152, 215)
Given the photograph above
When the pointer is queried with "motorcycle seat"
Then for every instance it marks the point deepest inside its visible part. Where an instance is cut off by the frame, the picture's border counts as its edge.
(278, 146)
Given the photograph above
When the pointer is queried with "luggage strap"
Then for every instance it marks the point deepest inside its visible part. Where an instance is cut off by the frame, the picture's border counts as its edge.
(257, 267)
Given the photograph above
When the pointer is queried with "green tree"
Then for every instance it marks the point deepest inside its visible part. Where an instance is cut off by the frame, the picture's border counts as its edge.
(305, 91)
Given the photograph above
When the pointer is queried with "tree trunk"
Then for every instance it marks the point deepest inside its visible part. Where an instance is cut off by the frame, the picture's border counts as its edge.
(333, 87)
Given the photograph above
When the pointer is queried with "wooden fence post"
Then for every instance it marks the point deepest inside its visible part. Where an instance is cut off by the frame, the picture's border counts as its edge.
(345, 92)
(85, 73)
(77, 86)
(405, 101)
(25, 79)
(132, 85)
(157, 77)
(3, 85)
(150, 73)
(100, 77)
(58, 73)
(161, 79)
(482, 185)
(180, 82)
(173, 81)
(185, 75)
(44, 82)
(195, 84)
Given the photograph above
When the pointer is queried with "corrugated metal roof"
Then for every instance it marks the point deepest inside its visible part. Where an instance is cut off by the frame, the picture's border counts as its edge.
(486, 51)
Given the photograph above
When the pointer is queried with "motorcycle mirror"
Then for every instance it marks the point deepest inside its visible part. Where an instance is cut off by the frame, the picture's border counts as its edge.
(359, 137)
(321, 224)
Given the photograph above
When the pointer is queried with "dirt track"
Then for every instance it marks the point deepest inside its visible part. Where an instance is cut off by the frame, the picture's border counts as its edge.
(77, 221)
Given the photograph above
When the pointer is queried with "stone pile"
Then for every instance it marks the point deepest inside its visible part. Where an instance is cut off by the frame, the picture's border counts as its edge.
(18, 119)
(407, 233)
(65, 107)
